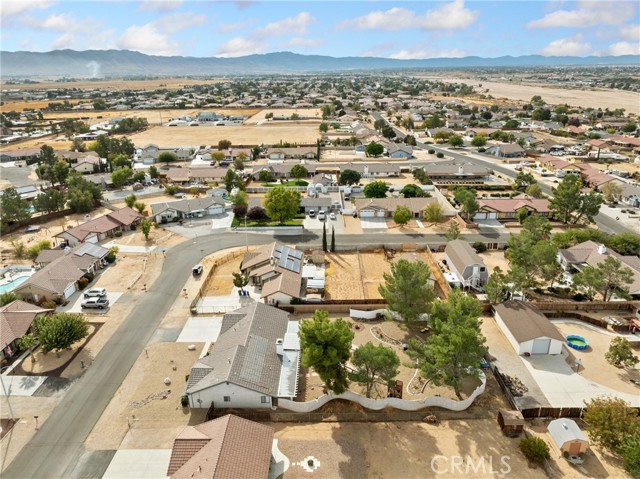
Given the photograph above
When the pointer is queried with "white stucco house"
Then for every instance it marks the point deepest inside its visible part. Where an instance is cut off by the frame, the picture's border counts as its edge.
(527, 329)
(189, 208)
(255, 361)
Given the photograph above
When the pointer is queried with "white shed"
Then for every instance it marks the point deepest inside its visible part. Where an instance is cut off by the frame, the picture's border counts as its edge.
(527, 329)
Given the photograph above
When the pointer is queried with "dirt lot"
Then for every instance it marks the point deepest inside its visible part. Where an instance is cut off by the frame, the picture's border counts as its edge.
(403, 450)
(168, 83)
(222, 282)
(238, 135)
(493, 259)
(594, 365)
(303, 112)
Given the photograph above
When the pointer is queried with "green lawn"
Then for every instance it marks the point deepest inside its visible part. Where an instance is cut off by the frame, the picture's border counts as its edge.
(287, 183)
(237, 222)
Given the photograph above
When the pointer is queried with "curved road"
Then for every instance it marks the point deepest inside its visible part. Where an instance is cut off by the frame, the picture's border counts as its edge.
(59, 444)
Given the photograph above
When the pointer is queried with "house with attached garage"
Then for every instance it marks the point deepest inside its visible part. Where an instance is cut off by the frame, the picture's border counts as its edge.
(506, 150)
(302, 153)
(255, 361)
(630, 195)
(527, 329)
(185, 176)
(395, 150)
(465, 264)
(507, 208)
(384, 207)
(16, 319)
(168, 211)
(101, 228)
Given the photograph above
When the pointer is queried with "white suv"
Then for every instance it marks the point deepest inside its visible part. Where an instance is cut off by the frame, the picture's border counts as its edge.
(95, 292)
(322, 215)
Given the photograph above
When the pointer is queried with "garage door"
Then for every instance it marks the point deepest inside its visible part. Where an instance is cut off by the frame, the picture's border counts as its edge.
(367, 213)
(541, 346)
(493, 216)
(380, 213)
(69, 291)
(480, 216)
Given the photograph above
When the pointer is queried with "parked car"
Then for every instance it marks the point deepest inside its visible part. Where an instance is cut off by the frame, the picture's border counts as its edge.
(95, 292)
(332, 215)
(95, 303)
(197, 270)
(322, 215)
(312, 213)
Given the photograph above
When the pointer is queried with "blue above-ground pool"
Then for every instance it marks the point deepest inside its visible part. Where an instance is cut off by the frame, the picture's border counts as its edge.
(577, 342)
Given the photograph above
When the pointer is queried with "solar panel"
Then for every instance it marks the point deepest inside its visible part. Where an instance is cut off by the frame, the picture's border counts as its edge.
(254, 359)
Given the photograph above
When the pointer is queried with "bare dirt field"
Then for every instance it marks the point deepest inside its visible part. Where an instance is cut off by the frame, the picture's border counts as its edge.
(493, 259)
(403, 450)
(222, 282)
(586, 98)
(303, 112)
(373, 267)
(238, 135)
(343, 276)
(168, 83)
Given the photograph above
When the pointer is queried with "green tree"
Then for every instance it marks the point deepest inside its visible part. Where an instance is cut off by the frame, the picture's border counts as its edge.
(145, 226)
(120, 177)
(324, 237)
(611, 192)
(265, 176)
(299, 171)
(497, 288)
(282, 204)
(610, 422)
(60, 171)
(570, 204)
(13, 207)
(50, 201)
(324, 127)
(412, 191)
(59, 331)
(620, 353)
(523, 181)
(130, 200)
(453, 232)
(349, 177)
(456, 346)
(467, 200)
(80, 201)
(238, 163)
(8, 297)
(240, 280)
(28, 341)
(232, 180)
(47, 155)
(224, 144)
(407, 289)
(374, 364)
(630, 450)
(522, 214)
(139, 206)
(326, 347)
(167, 157)
(78, 145)
(240, 198)
(121, 161)
(402, 215)
(629, 127)
(609, 277)
(376, 189)
(153, 172)
(479, 141)
(456, 141)
(374, 149)
(441, 136)
(535, 449)
(433, 213)
(534, 191)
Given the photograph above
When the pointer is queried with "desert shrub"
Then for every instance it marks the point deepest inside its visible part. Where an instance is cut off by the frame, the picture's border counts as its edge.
(89, 276)
(480, 247)
(534, 449)
(171, 190)
(431, 151)
(579, 297)
(440, 154)
(118, 234)
(48, 304)
(184, 401)
(82, 283)
(481, 150)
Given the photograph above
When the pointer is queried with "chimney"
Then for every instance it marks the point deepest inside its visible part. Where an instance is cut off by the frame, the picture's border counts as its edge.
(602, 249)
(279, 347)
(272, 261)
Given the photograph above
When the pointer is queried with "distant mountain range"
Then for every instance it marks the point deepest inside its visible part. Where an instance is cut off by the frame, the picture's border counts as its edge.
(119, 63)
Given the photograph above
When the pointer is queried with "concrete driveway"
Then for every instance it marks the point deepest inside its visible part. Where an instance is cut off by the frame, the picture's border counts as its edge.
(373, 223)
(221, 222)
(139, 464)
(21, 385)
(314, 223)
(201, 329)
(76, 300)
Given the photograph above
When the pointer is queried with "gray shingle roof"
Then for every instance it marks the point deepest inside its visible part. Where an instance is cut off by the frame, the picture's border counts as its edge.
(462, 254)
(526, 322)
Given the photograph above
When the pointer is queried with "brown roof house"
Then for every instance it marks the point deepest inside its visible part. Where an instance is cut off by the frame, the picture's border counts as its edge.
(464, 262)
(101, 228)
(255, 360)
(229, 447)
(507, 208)
(527, 329)
(15, 321)
(277, 269)
(384, 207)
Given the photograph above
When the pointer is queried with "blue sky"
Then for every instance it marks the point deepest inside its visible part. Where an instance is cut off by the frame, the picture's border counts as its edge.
(410, 29)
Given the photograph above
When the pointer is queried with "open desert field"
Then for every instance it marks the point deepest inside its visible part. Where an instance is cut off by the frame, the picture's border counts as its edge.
(587, 98)
(303, 112)
(169, 83)
(238, 135)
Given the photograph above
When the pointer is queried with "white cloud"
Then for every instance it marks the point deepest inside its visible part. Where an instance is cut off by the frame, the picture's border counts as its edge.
(298, 24)
(14, 8)
(65, 23)
(303, 42)
(621, 48)
(159, 5)
(147, 39)
(66, 40)
(630, 32)
(588, 14)
(421, 54)
(573, 46)
(179, 21)
(232, 27)
(447, 16)
(238, 47)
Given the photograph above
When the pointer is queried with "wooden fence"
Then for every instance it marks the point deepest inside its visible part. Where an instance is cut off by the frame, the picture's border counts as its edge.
(205, 284)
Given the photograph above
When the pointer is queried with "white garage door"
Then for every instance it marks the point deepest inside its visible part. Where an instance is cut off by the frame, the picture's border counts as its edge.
(367, 213)
(216, 210)
(380, 213)
(493, 216)
(69, 291)
(541, 346)
(480, 216)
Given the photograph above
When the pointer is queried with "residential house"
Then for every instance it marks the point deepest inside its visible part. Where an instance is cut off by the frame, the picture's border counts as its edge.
(299, 153)
(384, 207)
(507, 208)
(87, 164)
(101, 228)
(568, 437)
(399, 151)
(315, 203)
(16, 319)
(590, 253)
(255, 361)
(277, 269)
(103, 180)
(184, 176)
(506, 150)
(464, 262)
(58, 279)
(20, 155)
(168, 211)
(527, 329)
(224, 448)
(451, 173)
(630, 195)
(28, 192)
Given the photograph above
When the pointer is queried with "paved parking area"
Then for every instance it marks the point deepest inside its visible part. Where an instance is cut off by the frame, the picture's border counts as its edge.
(313, 223)
(373, 223)
(201, 329)
(221, 222)
(76, 300)
(139, 464)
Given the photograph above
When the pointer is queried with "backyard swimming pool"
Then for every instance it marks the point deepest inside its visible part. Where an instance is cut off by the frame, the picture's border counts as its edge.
(15, 282)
